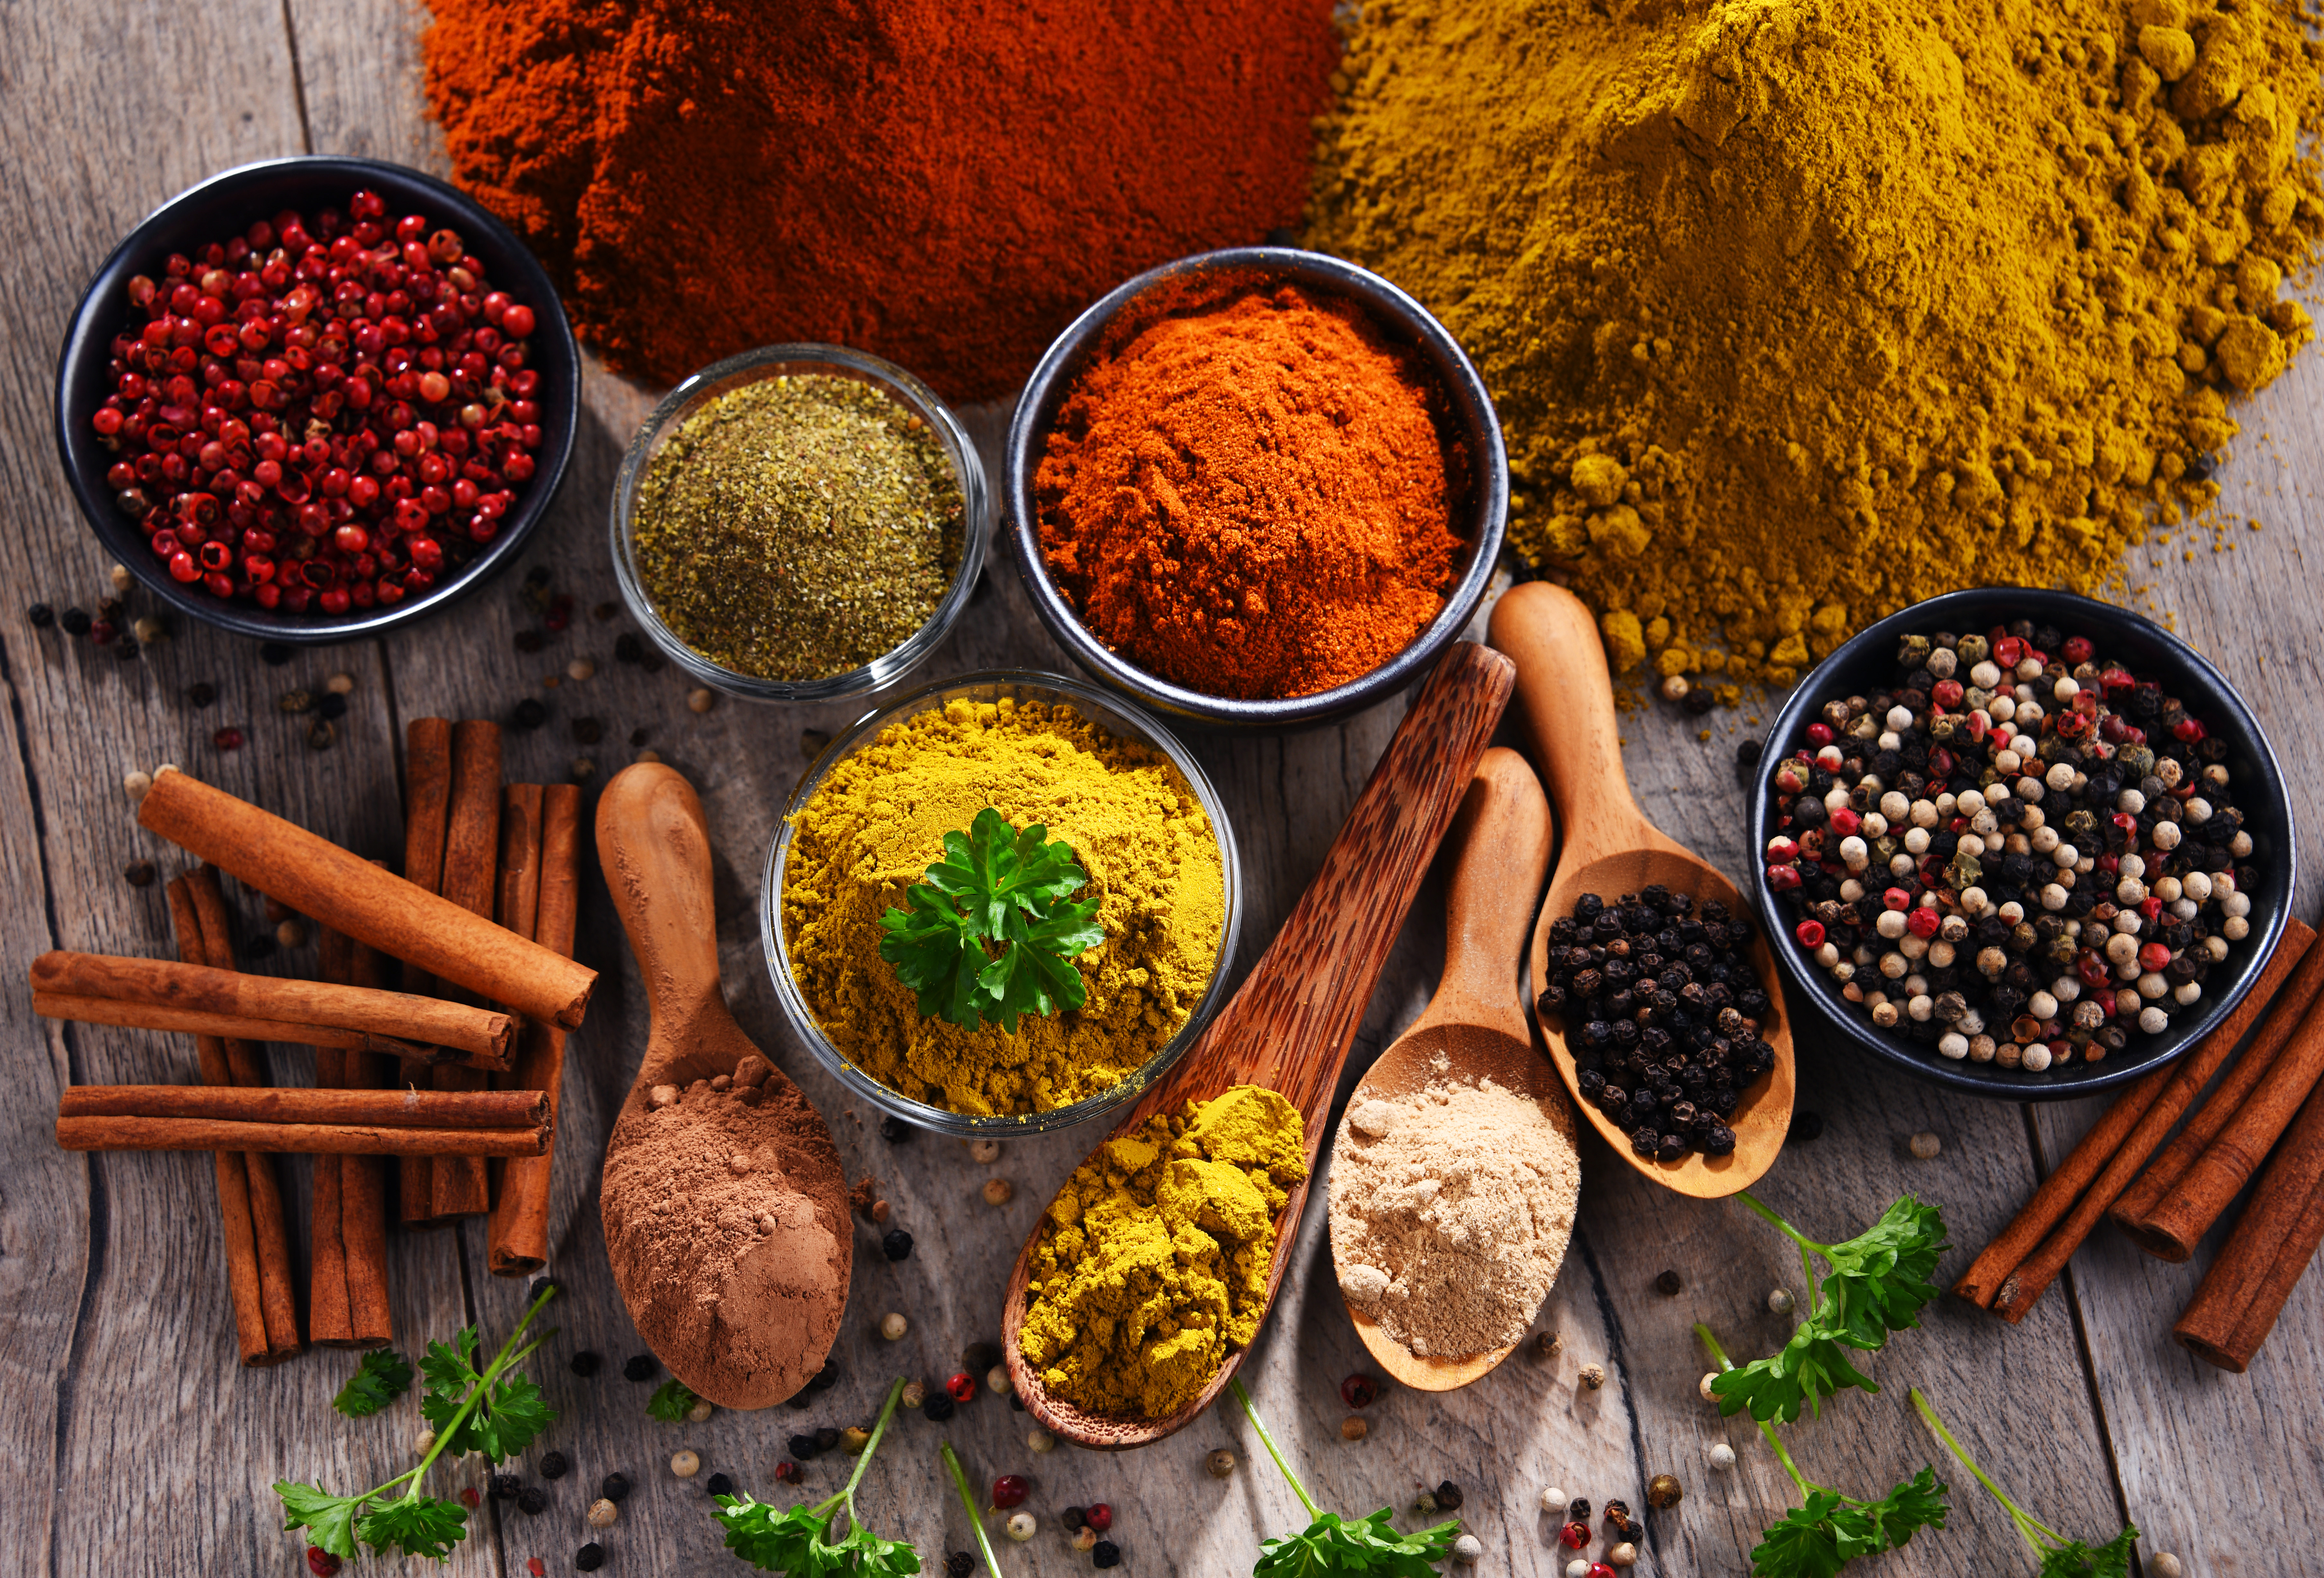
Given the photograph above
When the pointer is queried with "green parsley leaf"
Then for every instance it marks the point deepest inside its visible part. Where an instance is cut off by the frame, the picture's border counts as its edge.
(2076, 1560)
(1333, 1546)
(1879, 1278)
(1814, 1541)
(421, 1526)
(382, 1376)
(990, 934)
(503, 1421)
(793, 1543)
(330, 1520)
(1806, 1369)
(670, 1401)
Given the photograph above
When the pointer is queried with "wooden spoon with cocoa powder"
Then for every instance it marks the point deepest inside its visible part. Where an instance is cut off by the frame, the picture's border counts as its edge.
(725, 1206)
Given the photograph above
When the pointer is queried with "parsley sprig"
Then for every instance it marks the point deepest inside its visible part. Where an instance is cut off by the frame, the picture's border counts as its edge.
(993, 933)
(799, 1542)
(968, 1501)
(494, 1410)
(1332, 1545)
(381, 1377)
(1877, 1285)
(1828, 1530)
(2060, 1557)
(672, 1400)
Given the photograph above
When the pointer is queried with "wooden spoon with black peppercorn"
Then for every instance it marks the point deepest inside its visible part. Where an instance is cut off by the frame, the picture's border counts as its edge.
(1611, 849)
(1474, 1028)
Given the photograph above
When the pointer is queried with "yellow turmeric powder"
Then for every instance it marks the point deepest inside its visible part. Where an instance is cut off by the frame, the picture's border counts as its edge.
(879, 820)
(1797, 311)
(1153, 1259)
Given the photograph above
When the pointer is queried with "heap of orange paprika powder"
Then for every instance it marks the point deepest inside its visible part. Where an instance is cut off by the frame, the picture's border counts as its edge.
(1247, 493)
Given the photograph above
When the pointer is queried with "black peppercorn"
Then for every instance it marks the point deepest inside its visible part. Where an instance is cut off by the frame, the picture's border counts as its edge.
(1448, 1497)
(138, 874)
(503, 1487)
(275, 654)
(41, 615)
(825, 1378)
(532, 1500)
(1072, 1517)
(895, 1130)
(640, 1367)
(589, 1557)
(825, 1439)
(613, 1487)
(1105, 1554)
(1806, 1126)
(331, 706)
(553, 1465)
(587, 1362)
(589, 731)
(1668, 1284)
(529, 714)
(803, 1448)
(719, 1485)
(201, 694)
(627, 647)
(896, 1244)
(1578, 1509)
(938, 1408)
(960, 1564)
(75, 621)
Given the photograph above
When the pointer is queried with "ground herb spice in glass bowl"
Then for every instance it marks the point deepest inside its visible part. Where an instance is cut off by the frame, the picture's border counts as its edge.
(1144, 829)
(2017, 850)
(799, 523)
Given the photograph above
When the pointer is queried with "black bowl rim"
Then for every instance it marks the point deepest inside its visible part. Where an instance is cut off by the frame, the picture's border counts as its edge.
(1473, 407)
(85, 333)
(2052, 607)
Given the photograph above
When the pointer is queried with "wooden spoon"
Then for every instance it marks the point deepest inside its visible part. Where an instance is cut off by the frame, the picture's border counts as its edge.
(1476, 1024)
(753, 1340)
(1611, 849)
(1289, 1027)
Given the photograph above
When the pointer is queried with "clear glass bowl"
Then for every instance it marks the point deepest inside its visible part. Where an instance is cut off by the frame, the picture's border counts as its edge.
(1119, 718)
(775, 361)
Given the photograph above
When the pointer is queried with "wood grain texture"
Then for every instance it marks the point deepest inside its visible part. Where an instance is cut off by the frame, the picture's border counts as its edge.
(121, 1360)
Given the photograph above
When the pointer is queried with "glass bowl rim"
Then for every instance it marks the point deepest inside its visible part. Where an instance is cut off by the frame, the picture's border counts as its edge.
(1081, 694)
(752, 366)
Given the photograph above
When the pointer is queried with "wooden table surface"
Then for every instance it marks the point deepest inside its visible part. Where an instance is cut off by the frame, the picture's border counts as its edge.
(130, 1441)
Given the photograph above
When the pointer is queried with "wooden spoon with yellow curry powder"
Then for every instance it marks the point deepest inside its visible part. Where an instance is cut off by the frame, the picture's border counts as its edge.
(1289, 1027)
(723, 1202)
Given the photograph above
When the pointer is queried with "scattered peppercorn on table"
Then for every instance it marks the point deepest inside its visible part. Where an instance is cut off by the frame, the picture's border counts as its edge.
(123, 1388)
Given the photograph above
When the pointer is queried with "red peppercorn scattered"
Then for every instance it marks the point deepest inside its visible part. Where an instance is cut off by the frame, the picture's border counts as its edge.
(227, 738)
(470, 1497)
(1810, 933)
(1359, 1390)
(1011, 1489)
(1098, 1516)
(537, 1567)
(961, 1388)
(321, 1563)
(1574, 1536)
(1923, 921)
(292, 413)
(1600, 1569)
(787, 1472)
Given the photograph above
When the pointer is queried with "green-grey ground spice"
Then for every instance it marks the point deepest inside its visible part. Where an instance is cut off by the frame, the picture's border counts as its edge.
(800, 527)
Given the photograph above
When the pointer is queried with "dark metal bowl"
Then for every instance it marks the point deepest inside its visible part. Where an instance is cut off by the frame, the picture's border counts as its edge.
(2150, 651)
(225, 205)
(1481, 518)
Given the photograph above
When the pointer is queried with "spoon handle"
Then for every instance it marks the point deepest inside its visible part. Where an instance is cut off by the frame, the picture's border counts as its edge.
(655, 849)
(1569, 706)
(1502, 840)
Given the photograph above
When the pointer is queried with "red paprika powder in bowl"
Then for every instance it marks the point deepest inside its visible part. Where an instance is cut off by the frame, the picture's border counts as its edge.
(1259, 488)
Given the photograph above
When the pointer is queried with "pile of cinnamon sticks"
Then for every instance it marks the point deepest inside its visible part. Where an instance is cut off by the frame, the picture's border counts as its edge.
(483, 924)
(2274, 1092)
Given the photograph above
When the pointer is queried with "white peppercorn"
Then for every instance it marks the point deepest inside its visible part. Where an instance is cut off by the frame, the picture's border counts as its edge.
(1591, 1377)
(1022, 1525)
(1702, 1387)
(603, 1513)
(1041, 1441)
(1553, 1499)
(1926, 1145)
(701, 1411)
(1219, 1464)
(1780, 1302)
(685, 1463)
(893, 1325)
(1624, 1554)
(1469, 1549)
(2165, 1566)
(984, 1151)
(1722, 1456)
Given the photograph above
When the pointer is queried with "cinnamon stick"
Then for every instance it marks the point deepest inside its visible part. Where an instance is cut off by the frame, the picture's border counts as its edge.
(426, 804)
(343, 891)
(364, 1187)
(482, 1035)
(2134, 1212)
(267, 1223)
(519, 1239)
(516, 893)
(460, 1186)
(232, 1177)
(292, 1104)
(2245, 1291)
(151, 1016)
(2217, 1175)
(330, 1321)
(2018, 1267)
(165, 1133)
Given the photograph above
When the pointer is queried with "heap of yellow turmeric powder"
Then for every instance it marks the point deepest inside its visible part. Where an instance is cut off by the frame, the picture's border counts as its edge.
(1797, 311)
(878, 820)
(1152, 1262)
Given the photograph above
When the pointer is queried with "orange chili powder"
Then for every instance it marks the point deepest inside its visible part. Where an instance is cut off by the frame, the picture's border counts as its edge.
(1248, 496)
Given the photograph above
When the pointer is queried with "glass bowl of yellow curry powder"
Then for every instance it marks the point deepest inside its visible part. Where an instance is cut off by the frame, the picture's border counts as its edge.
(799, 523)
(1002, 904)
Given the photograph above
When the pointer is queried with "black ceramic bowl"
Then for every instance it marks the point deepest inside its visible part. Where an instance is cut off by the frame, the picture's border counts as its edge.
(1866, 662)
(1480, 518)
(226, 205)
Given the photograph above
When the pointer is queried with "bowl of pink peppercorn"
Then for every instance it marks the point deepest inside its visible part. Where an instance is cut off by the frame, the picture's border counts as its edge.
(314, 399)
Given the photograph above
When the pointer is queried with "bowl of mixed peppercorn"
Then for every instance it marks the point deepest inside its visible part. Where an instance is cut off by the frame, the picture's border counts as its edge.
(2022, 844)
